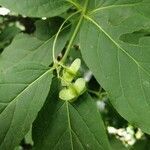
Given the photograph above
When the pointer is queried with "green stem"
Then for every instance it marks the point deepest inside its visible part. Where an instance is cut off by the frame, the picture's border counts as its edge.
(74, 34)
(98, 94)
(56, 37)
(94, 92)
(75, 4)
(71, 40)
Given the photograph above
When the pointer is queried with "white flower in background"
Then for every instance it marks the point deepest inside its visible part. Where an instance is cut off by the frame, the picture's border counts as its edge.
(4, 11)
(126, 135)
(139, 134)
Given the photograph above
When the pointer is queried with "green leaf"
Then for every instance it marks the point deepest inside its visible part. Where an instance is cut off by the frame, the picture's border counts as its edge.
(117, 145)
(23, 90)
(7, 34)
(28, 137)
(69, 126)
(38, 8)
(141, 145)
(67, 94)
(45, 29)
(122, 68)
(28, 48)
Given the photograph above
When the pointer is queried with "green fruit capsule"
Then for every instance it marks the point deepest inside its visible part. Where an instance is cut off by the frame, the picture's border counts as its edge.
(70, 73)
(66, 78)
(80, 86)
(72, 92)
(75, 66)
(67, 94)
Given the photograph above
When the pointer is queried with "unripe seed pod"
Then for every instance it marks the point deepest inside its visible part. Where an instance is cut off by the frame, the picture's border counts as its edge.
(67, 94)
(73, 91)
(75, 66)
(79, 86)
(70, 73)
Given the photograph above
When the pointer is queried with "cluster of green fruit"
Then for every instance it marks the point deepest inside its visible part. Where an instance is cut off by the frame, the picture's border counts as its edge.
(72, 88)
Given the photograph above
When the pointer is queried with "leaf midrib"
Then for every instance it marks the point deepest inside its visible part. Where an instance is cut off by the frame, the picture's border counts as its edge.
(94, 137)
(119, 47)
(122, 50)
(113, 6)
(26, 88)
(101, 29)
(69, 124)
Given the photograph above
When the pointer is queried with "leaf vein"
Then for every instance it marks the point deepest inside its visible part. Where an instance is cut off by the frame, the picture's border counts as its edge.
(114, 6)
(118, 46)
(88, 128)
(26, 88)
